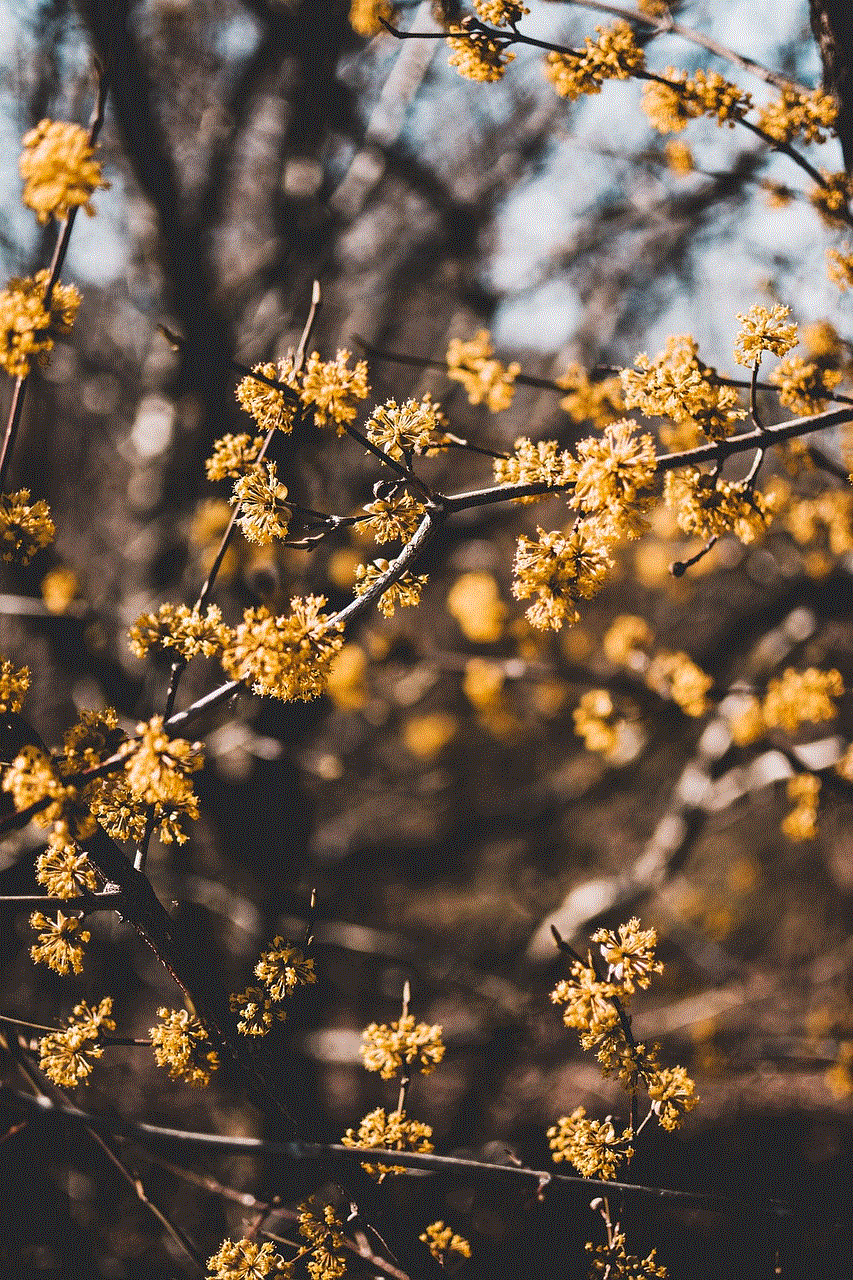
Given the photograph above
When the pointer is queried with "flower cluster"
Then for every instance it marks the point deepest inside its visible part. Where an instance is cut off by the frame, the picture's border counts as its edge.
(321, 1227)
(831, 198)
(592, 1146)
(597, 401)
(388, 1048)
(282, 968)
(800, 823)
(260, 498)
(331, 389)
(33, 779)
(839, 267)
(611, 474)
(627, 640)
(285, 657)
(443, 1240)
(403, 429)
(676, 676)
(60, 942)
(674, 99)
(540, 463)
(364, 16)
(394, 519)
(269, 407)
(391, 1132)
(67, 1057)
(13, 686)
(254, 1011)
(247, 1260)
(803, 385)
(476, 55)
(707, 506)
(672, 1094)
(596, 722)
(612, 1262)
(29, 325)
(65, 870)
(797, 115)
(25, 527)
(59, 169)
(559, 569)
(405, 592)
(629, 955)
(764, 330)
(800, 696)
(677, 385)
(233, 456)
(485, 379)
(614, 55)
(158, 768)
(500, 13)
(187, 631)
(181, 1043)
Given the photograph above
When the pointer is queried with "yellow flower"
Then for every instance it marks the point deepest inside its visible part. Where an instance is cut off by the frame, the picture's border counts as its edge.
(679, 158)
(672, 1095)
(839, 267)
(387, 1048)
(25, 528)
(59, 169)
(677, 385)
(268, 406)
(801, 822)
(364, 16)
(764, 330)
(831, 199)
(707, 506)
(58, 589)
(426, 736)
(178, 627)
(247, 1260)
(395, 518)
(285, 657)
(626, 639)
(476, 56)
(401, 429)
(540, 463)
(180, 1042)
(611, 474)
(804, 386)
(65, 870)
(442, 1240)
(615, 55)
(27, 326)
(60, 942)
(559, 570)
(255, 1011)
(486, 380)
(795, 114)
(629, 954)
(676, 676)
(158, 767)
(592, 1146)
(405, 592)
(393, 1132)
(13, 686)
(596, 722)
(598, 402)
(259, 498)
(282, 968)
(331, 389)
(347, 683)
(232, 456)
(799, 696)
(500, 13)
(67, 1057)
(589, 1003)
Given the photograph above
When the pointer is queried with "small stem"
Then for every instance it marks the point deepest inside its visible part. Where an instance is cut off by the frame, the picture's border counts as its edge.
(679, 567)
(406, 1076)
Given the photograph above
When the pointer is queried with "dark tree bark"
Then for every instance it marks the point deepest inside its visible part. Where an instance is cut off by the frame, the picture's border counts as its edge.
(832, 24)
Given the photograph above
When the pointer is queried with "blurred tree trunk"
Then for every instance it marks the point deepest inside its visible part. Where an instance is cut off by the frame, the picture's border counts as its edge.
(832, 24)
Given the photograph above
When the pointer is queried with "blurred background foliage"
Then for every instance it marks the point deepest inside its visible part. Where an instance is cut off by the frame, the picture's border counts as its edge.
(444, 811)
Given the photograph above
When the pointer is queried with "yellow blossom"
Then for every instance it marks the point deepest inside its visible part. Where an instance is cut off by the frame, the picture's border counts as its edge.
(500, 13)
(804, 386)
(364, 16)
(232, 456)
(394, 518)
(347, 682)
(599, 401)
(475, 55)
(393, 1132)
(285, 657)
(474, 601)
(405, 592)
(839, 267)
(158, 767)
(58, 589)
(427, 735)
(707, 506)
(629, 954)
(800, 115)
(443, 1240)
(254, 1011)
(65, 870)
(589, 1002)
(559, 570)
(627, 638)
(59, 169)
(387, 1048)
(13, 686)
(611, 475)
(269, 407)
(181, 1043)
(542, 462)
(672, 1094)
(485, 379)
(676, 676)
(801, 822)
(832, 197)
(614, 55)
(32, 778)
(612, 1262)
(28, 326)
(596, 722)
(25, 527)
(800, 696)
(679, 158)
(677, 385)
(401, 429)
(592, 1146)
(331, 389)
(764, 330)
(259, 498)
(67, 1057)
(247, 1260)
(187, 631)
(282, 968)
(60, 942)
